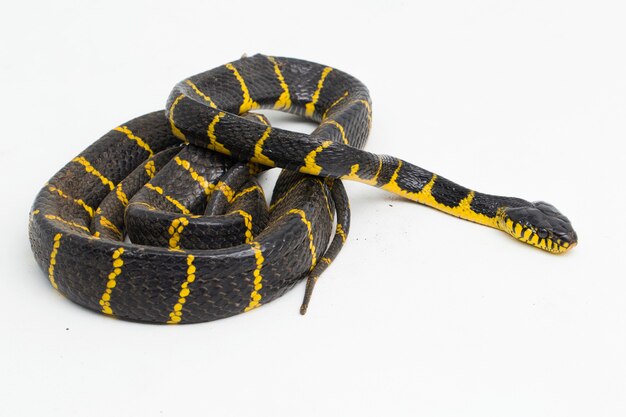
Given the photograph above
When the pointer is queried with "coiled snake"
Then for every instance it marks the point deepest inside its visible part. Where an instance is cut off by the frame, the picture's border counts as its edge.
(182, 188)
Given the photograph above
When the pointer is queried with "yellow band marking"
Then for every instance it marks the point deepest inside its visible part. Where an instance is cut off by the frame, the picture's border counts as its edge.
(69, 223)
(277, 202)
(53, 259)
(261, 119)
(141, 203)
(105, 299)
(176, 131)
(201, 94)
(339, 127)
(307, 223)
(369, 110)
(255, 296)
(310, 107)
(310, 166)
(246, 191)
(78, 201)
(213, 143)
(424, 196)
(326, 260)
(226, 190)
(353, 175)
(334, 104)
(176, 314)
(247, 219)
(254, 169)
(175, 202)
(109, 225)
(284, 101)
(121, 195)
(175, 230)
(248, 103)
(90, 169)
(339, 230)
(330, 212)
(258, 150)
(130, 135)
(150, 168)
(206, 186)
(33, 213)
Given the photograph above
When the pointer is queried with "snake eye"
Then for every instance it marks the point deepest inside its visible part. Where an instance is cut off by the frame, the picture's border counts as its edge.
(542, 233)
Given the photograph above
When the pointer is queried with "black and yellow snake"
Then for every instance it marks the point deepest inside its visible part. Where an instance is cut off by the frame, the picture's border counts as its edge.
(182, 188)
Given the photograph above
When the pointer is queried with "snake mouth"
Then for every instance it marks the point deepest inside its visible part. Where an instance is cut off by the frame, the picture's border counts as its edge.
(539, 238)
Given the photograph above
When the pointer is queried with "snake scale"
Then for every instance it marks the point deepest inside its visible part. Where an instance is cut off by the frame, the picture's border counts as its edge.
(162, 219)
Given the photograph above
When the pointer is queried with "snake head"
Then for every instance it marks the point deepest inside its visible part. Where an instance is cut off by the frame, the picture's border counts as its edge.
(539, 224)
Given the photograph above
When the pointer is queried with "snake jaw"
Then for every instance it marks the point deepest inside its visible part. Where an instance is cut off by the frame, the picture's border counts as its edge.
(539, 224)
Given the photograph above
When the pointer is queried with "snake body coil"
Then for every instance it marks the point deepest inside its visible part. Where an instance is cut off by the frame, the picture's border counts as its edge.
(182, 188)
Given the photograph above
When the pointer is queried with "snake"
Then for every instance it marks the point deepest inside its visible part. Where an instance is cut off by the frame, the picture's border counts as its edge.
(163, 220)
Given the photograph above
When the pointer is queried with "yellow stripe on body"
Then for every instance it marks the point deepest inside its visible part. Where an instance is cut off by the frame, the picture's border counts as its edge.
(246, 191)
(339, 230)
(307, 223)
(369, 110)
(353, 175)
(69, 223)
(330, 212)
(286, 194)
(78, 201)
(334, 104)
(248, 103)
(176, 315)
(228, 192)
(310, 166)
(255, 296)
(201, 94)
(175, 230)
(105, 299)
(310, 106)
(175, 130)
(424, 196)
(254, 169)
(53, 259)
(175, 202)
(130, 135)
(258, 150)
(261, 119)
(213, 143)
(109, 225)
(141, 203)
(206, 185)
(247, 219)
(339, 127)
(93, 171)
(150, 168)
(284, 101)
(121, 195)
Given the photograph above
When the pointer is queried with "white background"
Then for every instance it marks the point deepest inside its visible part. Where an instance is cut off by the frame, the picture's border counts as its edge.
(421, 314)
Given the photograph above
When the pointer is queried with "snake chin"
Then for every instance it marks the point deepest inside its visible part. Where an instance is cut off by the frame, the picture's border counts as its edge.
(539, 224)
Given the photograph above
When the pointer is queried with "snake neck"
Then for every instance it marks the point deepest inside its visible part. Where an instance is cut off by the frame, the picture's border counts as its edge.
(417, 184)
